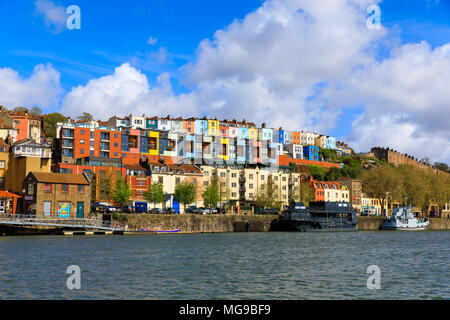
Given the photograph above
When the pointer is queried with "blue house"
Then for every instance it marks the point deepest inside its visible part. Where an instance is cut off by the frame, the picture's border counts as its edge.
(201, 127)
(311, 153)
(281, 136)
(330, 142)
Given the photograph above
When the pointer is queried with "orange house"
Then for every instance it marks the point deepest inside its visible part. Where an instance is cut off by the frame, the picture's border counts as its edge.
(319, 191)
(295, 137)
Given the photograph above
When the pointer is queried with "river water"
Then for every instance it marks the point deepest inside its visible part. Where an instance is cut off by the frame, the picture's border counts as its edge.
(274, 265)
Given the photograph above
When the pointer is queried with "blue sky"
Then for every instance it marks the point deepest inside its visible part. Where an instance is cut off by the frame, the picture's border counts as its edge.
(115, 32)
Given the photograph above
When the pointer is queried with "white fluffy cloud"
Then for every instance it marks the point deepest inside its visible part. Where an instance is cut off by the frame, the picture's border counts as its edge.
(296, 63)
(127, 91)
(42, 88)
(54, 16)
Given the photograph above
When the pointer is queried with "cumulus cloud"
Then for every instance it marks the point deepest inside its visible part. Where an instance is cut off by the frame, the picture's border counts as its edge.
(54, 16)
(42, 88)
(406, 99)
(127, 91)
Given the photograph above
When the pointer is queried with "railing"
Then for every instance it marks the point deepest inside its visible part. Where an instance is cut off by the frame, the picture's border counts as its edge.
(23, 219)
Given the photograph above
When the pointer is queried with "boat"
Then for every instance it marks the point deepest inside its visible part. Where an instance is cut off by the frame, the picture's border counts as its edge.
(161, 231)
(320, 216)
(403, 219)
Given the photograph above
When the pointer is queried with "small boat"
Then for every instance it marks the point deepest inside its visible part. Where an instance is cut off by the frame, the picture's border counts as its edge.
(403, 219)
(161, 231)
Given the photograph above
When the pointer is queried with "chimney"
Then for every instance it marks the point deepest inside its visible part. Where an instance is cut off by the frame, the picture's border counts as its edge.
(263, 125)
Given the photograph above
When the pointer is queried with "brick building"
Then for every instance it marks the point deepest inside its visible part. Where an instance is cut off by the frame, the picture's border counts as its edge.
(57, 195)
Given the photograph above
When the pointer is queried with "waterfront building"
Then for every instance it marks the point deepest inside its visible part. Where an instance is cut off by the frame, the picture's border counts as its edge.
(25, 156)
(138, 179)
(56, 195)
(9, 202)
(170, 175)
(355, 188)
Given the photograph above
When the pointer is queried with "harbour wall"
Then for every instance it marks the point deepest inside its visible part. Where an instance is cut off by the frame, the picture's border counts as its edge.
(374, 223)
(192, 223)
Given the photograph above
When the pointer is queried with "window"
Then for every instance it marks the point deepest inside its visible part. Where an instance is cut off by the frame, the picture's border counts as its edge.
(205, 183)
(160, 179)
(250, 176)
(81, 141)
(250, 186)
(233, 194)
(284, 179)
(233, 175)
(82, 151)
(262, 177)
(233, 185)
(80, 188)
(30, 188)
(222, 174)
(2, 164)
(65, 188)
(47, 187)
(177, 180)
(116, 135)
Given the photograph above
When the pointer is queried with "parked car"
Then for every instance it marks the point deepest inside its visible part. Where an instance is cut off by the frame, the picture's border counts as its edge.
(156, 211)
(199, 211)
(170, 211)
(191, 209)
(206, 210)
(128, 209)
(221, 210)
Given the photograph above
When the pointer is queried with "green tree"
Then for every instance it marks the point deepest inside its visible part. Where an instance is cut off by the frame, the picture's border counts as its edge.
(211, 196)
(304, 193)
(121, 192)
(155, 193)
(267, 195)
(85, 116)
(317, 172)
(49, 123)
(36, 111)
(380, 180)
(185, 193)
(333, 174)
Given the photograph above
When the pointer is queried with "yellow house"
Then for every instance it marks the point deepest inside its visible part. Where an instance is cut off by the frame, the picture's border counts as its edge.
(213, 127)
(252, 133)
(153, 143)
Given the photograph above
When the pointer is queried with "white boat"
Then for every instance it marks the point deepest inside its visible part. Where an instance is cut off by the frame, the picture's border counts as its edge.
(403, 219)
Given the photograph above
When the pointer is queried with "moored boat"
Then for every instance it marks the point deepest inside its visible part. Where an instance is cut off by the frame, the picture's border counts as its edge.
(403, 219)
(320, 216)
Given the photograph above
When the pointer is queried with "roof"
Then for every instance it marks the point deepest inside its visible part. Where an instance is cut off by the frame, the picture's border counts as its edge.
(63, 178)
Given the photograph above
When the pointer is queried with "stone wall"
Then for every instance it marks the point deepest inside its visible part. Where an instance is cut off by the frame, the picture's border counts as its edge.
(195, 223)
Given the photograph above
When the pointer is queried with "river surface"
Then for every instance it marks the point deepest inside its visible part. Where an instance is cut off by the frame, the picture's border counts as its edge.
(273, 265)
